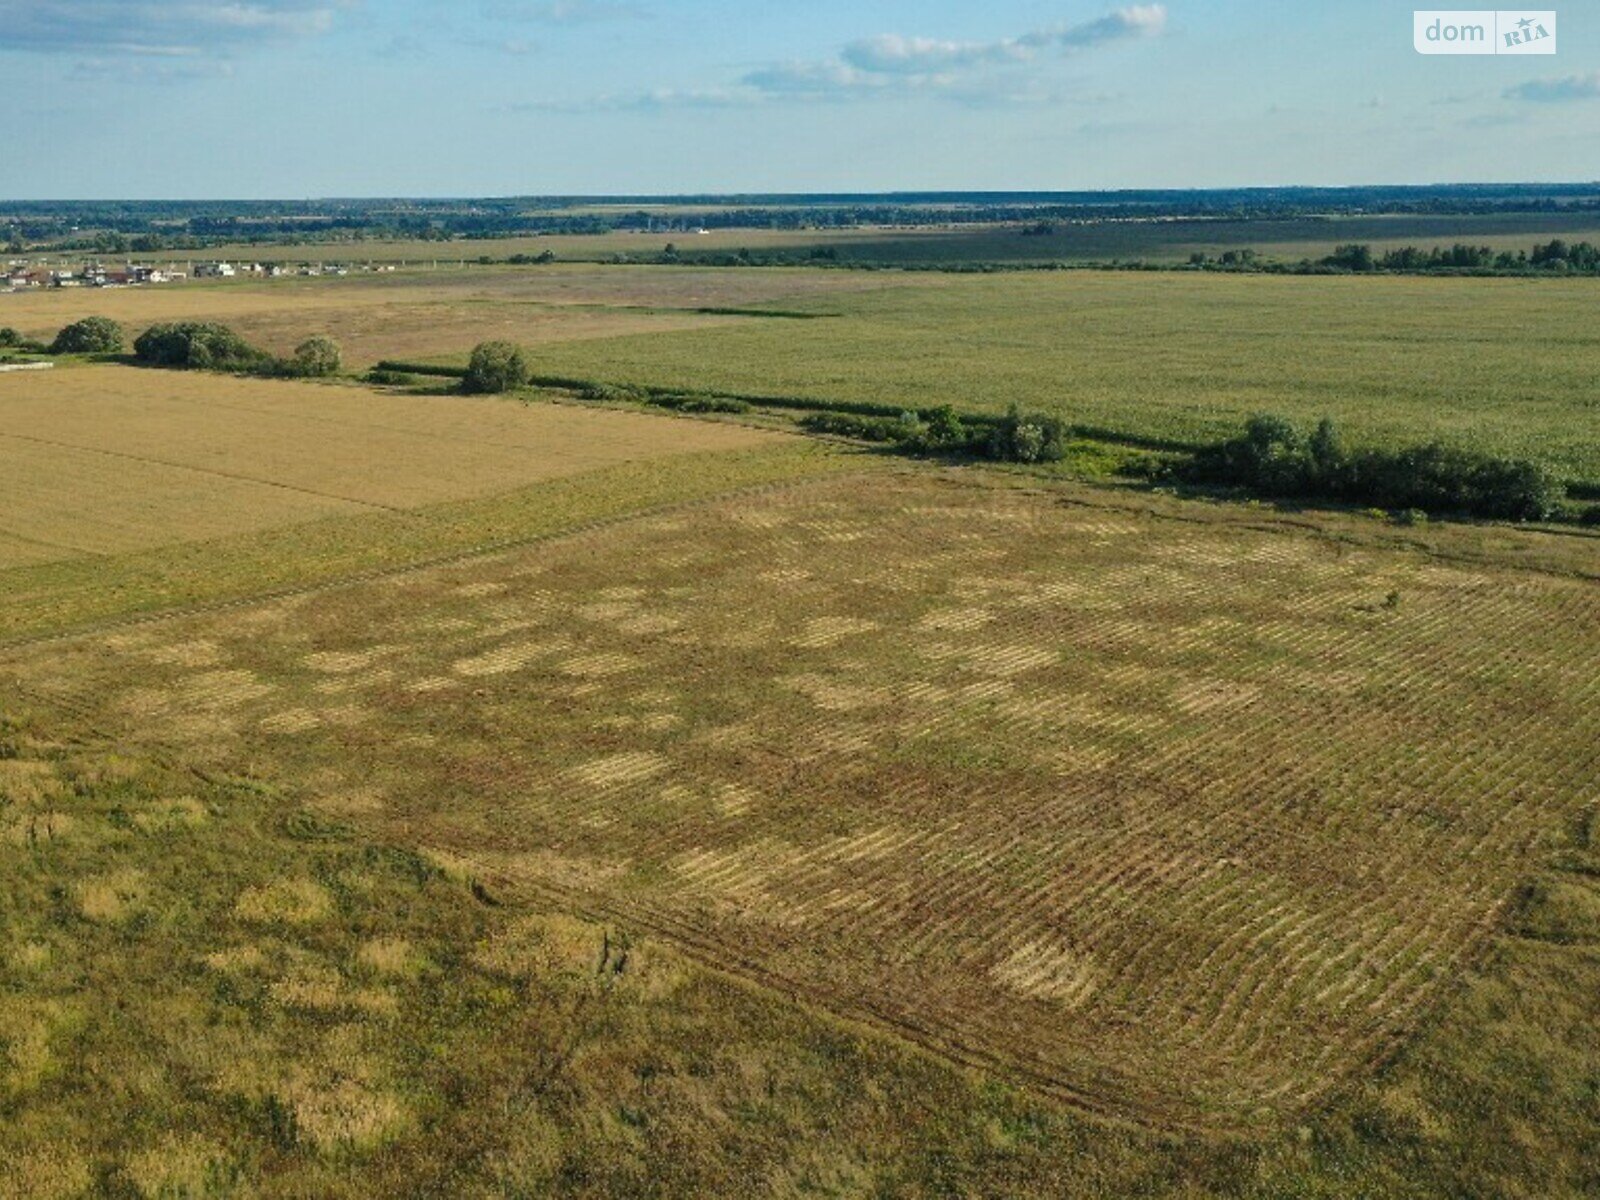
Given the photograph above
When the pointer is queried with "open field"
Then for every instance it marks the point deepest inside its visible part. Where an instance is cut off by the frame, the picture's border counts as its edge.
(110, 459)
(443, 313)
(1031, 783)
(1506, 366)
(1500, 365)
(409, 794)
(1155, 241)
(283, 1009)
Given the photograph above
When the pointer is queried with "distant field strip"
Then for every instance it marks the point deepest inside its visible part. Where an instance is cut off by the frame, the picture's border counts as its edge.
(113, 459)
(1184, 822)
(446, 312)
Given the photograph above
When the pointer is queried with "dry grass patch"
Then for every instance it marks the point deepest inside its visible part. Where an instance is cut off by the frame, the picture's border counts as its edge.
(113, 898)
(286, 902)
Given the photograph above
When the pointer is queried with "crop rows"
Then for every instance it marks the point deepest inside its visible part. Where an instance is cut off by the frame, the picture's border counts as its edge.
(1183, 822)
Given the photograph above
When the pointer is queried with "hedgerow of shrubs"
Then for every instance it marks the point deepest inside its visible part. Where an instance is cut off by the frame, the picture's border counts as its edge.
(1274, 458)
(1017, 437)
(205, 345)
(201, 345)
(92, 335)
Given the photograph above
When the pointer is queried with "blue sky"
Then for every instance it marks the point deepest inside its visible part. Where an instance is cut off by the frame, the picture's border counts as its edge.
(307, 98)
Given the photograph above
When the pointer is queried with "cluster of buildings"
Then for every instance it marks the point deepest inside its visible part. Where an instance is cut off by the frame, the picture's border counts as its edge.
(19, 276)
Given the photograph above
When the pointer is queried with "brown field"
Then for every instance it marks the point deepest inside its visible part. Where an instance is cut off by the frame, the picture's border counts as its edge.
(112, 459)
(1184, 821)
(435, 314)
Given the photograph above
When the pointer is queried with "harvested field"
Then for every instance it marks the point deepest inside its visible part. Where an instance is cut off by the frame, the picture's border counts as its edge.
(1184, 822)
(441, 313)
(111, 459)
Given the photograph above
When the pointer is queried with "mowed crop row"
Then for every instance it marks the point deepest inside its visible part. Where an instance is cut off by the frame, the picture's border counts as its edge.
(111, 459)
(1184, 822)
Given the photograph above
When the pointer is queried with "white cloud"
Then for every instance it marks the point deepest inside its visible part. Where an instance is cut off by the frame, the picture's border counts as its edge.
(1557, 91)
(892, 61)
(154, 28)
(893, 65)
(1141, 20)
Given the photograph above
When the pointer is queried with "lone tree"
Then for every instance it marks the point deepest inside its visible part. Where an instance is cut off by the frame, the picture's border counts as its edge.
(92, 335)
(495, 367)
(317, 358)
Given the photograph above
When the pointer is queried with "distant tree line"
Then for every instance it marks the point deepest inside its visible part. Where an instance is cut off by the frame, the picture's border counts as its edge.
(1356, 258)
(117, 227)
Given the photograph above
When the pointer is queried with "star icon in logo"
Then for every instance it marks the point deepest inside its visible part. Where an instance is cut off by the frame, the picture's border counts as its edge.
(1525, 23)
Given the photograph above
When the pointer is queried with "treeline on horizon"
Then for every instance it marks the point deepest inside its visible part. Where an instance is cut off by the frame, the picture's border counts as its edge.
(1556, 255)
(118, 227)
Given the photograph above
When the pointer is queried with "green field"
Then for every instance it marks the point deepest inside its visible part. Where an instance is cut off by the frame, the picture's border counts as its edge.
(1507, 366)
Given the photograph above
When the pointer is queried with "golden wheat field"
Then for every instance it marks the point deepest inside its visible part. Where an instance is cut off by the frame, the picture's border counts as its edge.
(109, 459)
(1182, 822)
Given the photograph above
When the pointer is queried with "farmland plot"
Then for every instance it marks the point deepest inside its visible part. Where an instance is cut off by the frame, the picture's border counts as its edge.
(1183, 822)
(104, 460)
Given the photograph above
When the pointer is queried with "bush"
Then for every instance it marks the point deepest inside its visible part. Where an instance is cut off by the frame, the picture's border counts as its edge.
(940, 431)
(1028, 438)
(10, 338)
(197, 344)
(317, 358)
(387, 378)
(495, 367)
(92, 335)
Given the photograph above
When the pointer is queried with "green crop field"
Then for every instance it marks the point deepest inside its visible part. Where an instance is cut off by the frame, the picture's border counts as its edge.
(1507, 366)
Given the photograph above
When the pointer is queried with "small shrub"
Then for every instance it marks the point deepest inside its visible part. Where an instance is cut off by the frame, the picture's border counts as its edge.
(317, 358)
(1028, 438)
(384, 377)
(10, 338)
(1591, 516)
(496, 367)
(92, 335)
